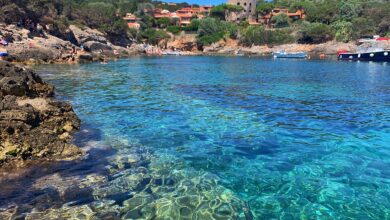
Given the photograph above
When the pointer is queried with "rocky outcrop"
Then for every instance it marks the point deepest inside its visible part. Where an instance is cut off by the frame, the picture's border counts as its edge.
(96, 46)
(13, 33)
(231, 48)
(32, 124)
(25, 48)
(40, 50)
(86, 34)
(183, 42)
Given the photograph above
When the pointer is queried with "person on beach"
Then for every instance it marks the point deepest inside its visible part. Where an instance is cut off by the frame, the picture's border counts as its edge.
(3, 53)
(30, 44)
(40, 31)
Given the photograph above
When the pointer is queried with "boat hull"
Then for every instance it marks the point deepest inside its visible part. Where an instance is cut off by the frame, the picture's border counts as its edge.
(291, 55)
(382, 56)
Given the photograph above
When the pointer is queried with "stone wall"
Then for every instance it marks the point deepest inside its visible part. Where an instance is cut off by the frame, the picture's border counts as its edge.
(249, 9)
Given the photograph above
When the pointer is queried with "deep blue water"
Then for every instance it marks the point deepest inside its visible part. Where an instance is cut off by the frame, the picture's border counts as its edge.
(288, 139)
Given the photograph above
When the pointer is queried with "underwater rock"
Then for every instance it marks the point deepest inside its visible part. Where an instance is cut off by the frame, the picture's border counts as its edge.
(32, 124)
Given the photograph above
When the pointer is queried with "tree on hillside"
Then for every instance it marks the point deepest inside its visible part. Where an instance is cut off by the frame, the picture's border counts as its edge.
(163, 22)
(212, 30)
(264, 8)
(349, 9)
(343, 31)
(324, 12)
(257, 35)
(314, 33)
(281, 20)
(154, 36)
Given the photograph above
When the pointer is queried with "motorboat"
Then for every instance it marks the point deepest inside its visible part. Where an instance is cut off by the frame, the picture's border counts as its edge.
(378, 56)
(295, 55)
(368, 51)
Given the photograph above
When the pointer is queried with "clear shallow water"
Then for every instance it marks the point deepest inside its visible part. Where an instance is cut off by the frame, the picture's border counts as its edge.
(225, 138)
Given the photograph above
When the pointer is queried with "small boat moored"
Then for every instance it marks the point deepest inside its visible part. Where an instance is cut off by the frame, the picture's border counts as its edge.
(295, 55)
(171, 53)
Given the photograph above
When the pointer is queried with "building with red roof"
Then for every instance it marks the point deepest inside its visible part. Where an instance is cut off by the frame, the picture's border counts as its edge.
(132, 21)
(184, 15)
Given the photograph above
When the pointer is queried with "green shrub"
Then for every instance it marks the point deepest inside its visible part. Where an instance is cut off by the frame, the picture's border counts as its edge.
(264, 8)
(257, 35)
(133, 32)
(322, 11)
(209, 39)
(348, 10)
(193, 26)
(230, 30)
(364, 27)
(281, 20)
(343, 31)
(212, 30)
(163, 22)
(173, 29)
(154, 36)
(253, 35)
(315, 33)
(277, 37)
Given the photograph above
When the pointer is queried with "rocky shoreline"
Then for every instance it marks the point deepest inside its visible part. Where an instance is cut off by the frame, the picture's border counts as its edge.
(33, 125)
(83, 45)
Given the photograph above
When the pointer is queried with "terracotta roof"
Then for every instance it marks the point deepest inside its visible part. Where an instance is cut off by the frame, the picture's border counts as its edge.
(133, 25)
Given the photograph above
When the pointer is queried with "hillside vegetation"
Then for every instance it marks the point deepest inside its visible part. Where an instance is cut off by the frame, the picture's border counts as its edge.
(343, 20)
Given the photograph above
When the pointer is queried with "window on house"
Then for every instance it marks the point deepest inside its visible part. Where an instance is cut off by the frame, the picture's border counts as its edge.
(245, 3)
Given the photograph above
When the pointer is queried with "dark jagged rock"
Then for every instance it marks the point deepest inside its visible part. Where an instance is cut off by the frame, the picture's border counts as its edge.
(32, 124)
(96, 46)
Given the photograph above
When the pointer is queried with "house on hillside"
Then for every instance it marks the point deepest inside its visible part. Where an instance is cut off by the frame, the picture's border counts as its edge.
(132, 21)
(266, 19)
(184, 15)
(249, 13)
(205, 9)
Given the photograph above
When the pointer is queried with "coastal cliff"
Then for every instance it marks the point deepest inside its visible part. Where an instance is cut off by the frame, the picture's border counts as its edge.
(33, 125)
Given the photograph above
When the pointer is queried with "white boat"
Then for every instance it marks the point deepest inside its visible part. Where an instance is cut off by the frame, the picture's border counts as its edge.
(171, 53)
(296, 55)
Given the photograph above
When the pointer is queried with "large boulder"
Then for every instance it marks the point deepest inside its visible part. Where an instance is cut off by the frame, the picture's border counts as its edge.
(122, 40)
(184, 42)
(96, 46)
(32, 124)
(12, 33)
(40, 50)
(86, 34)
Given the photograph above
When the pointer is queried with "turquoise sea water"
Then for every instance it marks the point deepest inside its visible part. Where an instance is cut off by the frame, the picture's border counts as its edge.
(221, 138)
